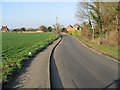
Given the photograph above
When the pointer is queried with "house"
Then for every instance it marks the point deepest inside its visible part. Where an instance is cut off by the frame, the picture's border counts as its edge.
(69, 28)
(4, 29)
(73, 28)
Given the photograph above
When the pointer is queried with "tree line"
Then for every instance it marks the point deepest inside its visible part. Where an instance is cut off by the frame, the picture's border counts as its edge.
(99, 21)
(56, 28)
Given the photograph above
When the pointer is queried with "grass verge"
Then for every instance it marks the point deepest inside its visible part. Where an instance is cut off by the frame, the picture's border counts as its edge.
(17, 48)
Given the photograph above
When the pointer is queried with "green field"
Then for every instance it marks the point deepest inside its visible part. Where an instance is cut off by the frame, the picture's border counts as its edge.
(18, 48)
(110, 50)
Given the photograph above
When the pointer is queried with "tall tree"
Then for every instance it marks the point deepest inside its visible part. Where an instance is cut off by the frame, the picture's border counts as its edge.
(100, 13)
(50, 29)
(63, 30)
(22, 29)
(57, 28)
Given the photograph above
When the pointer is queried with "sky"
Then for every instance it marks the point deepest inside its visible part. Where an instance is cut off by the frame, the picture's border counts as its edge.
(34, 14)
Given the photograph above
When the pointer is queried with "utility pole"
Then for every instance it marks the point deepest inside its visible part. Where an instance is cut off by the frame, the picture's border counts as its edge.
(56, 20)
(57, 28)
(56, 23)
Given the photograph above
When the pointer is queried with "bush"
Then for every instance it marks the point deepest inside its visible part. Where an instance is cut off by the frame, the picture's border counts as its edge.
(113, 37)
(75, 33)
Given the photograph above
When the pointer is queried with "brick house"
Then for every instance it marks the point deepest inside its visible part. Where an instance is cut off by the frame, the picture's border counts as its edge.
(73, 28)
(4, 29)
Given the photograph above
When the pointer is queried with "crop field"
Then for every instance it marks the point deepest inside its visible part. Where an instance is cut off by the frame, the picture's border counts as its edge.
(18, 48)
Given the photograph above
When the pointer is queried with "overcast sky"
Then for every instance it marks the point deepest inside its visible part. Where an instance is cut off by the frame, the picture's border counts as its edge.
(34, 14)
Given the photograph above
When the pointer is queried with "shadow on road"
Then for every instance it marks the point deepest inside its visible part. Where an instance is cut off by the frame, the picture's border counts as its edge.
(116, 83)
(55, 77)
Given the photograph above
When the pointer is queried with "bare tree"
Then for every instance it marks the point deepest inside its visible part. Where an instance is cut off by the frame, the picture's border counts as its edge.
(57, 28)
(104, 15)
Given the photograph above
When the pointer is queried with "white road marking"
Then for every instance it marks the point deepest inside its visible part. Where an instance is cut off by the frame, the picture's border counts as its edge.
(113, 59)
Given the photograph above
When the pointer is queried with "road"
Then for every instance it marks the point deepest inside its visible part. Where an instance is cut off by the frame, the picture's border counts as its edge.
(74, 65)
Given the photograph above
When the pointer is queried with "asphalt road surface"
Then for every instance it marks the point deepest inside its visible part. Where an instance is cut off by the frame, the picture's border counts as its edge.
(76, 66)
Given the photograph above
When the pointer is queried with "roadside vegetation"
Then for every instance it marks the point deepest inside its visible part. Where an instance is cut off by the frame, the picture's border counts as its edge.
(99, 26)
(110, 50)
(20, 47)
(99, 21)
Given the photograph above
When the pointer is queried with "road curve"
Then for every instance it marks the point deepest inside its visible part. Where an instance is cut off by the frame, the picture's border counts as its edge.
(76, 66)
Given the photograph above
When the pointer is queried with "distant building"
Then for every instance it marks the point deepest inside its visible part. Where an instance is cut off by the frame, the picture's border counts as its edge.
(4, 29)
(73, 28)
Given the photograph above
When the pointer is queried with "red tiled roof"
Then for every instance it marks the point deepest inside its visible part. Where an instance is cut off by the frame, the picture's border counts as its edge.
(69, 28)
